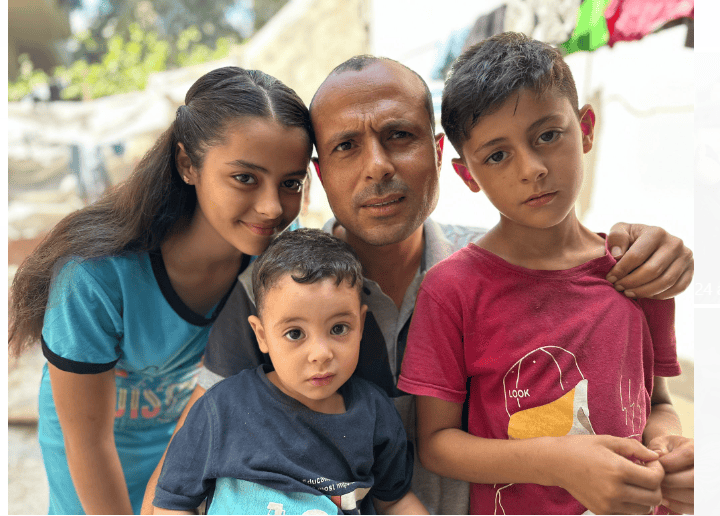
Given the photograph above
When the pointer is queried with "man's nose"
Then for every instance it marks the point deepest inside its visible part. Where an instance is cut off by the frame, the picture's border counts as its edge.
(378, 163)
(531, 167)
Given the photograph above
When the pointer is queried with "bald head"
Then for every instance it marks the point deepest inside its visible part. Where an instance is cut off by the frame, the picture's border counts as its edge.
(361, 62)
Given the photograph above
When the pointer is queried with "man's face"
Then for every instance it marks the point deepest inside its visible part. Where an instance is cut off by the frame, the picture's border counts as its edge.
(377, 152)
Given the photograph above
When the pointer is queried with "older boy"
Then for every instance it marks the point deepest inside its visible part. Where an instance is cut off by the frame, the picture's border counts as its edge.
(566, 374)
(303, 435)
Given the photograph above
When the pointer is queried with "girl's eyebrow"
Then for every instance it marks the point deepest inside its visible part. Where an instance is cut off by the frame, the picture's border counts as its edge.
(252, 166)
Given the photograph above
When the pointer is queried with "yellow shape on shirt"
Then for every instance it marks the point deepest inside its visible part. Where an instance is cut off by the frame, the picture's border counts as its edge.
(553, 419)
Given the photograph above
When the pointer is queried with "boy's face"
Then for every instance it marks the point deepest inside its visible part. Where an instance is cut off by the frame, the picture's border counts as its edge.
(312, 332)
(527, 157)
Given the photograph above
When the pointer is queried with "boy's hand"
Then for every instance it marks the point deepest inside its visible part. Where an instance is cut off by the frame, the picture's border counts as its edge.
(602, 473)
(677, 457)
(651, 262)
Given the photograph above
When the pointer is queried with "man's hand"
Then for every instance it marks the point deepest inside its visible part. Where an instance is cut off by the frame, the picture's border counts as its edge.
(651, 262)
(677, 457)
(602, 473)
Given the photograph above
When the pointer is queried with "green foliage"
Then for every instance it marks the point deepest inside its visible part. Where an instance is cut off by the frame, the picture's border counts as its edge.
(125, 66)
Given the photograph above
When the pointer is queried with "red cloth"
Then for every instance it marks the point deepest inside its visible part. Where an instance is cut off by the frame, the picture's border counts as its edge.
(628, 20)
(548, 353)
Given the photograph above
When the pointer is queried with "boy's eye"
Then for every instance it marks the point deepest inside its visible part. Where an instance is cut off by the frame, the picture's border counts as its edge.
(293, 184)
(548, 136)
(496, 157)
(245, 179)
(339, 329)
(294, 334)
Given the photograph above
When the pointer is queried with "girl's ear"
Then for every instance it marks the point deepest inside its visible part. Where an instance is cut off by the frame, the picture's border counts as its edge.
(184, 165)
(587, 126)
(259, 333)
(464, 174)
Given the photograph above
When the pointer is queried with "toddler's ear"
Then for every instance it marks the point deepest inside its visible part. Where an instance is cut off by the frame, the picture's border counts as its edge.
(587, 126)
(259, 333)
(464, 173)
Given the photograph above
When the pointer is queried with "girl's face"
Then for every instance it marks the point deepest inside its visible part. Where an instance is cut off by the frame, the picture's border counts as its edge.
(250, 186)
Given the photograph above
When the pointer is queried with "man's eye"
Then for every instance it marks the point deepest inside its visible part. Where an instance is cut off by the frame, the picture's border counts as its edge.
(344, 146)
(294, 334)
(400, 134)
(496, 157)
(245, 179)
(339, 329)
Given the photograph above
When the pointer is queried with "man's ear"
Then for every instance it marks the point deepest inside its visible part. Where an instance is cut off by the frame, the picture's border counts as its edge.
(184, 165)
(439, 144)
(259, 333)
(464, 174)
(316, 164)
(587, 126)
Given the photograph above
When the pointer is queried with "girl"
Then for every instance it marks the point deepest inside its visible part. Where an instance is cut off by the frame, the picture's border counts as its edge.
(122, 293)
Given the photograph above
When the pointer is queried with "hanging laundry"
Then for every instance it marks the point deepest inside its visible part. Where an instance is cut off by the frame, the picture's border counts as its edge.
(551, 21)
(485, 26)
(591, 31)
(629, 20)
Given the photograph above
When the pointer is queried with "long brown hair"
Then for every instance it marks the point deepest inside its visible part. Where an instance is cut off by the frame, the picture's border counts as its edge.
(138, 214)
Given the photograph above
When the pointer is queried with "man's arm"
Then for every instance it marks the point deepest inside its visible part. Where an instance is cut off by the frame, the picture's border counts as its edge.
(663, 434)
(596, 470)
(651, 262)
(147, 506)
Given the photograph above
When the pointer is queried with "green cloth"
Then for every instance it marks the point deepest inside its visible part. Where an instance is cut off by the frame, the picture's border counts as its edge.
(591, 31)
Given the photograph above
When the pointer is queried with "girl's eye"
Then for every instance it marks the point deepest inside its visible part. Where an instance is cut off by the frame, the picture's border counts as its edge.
(496, 157)
(245, 179)
(294, 334)
(293, 184)
(339, 329)
(548, 136)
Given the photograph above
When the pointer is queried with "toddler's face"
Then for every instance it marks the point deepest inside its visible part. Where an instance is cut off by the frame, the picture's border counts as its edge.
(312, 332)
(527, 157)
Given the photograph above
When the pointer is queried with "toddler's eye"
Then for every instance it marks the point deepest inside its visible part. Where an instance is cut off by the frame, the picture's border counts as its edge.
(496, 157)
(294, 334)
(245, 179)
(339, 329)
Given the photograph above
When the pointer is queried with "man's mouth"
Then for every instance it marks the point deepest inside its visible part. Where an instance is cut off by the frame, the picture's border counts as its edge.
(378, 204)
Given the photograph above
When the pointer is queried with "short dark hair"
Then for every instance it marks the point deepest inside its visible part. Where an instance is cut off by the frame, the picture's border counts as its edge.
(487, 73)
(308, 255)
(360, 62)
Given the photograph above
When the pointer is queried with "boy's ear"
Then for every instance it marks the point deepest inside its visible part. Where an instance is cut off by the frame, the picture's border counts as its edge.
(316, 164)
(464, 174)
(439, 144)
(587, 126)
(363, 313)
(259, 333)
(184, 165)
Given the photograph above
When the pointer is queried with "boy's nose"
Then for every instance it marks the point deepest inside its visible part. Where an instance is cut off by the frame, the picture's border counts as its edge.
(532, 167)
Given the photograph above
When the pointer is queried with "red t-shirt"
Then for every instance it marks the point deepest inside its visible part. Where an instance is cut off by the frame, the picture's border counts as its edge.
(549, 353)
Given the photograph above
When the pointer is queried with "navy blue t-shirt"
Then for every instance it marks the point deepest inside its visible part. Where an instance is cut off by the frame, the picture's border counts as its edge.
(251, 449)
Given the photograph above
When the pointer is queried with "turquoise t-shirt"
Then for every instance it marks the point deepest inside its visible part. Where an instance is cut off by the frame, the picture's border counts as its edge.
(121, 313)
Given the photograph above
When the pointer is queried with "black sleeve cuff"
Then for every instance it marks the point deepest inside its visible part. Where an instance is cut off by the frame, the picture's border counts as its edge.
(71, 366)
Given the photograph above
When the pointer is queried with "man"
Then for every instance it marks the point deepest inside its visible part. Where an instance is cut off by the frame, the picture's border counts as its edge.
(379, 162)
